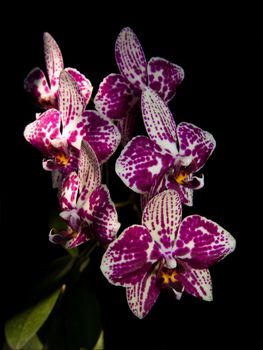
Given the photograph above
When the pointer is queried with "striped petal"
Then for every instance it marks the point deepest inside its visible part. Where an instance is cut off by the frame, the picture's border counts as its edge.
(54, 61)
(36, 85)
(115, 97)
(162, 216)
(196, 143)
(102, 135)
(126, 126)
(201, 242)
(101, 215)
(88, 171)
(83, 83)
(140, 163)
(164, 77)
(197, 282)
(142, 296)
(43, 130)
(71, 105)
(128, 257)
(130, 58)
(69, 192)
(158, 121)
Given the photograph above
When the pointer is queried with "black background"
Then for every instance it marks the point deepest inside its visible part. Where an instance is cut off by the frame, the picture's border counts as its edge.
(217, 49)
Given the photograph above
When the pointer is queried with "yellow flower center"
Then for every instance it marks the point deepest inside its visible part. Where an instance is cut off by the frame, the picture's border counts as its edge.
(169, 277)
(62, 159)
(181, 177)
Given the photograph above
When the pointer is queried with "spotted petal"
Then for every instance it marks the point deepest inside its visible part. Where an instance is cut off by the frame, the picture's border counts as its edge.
(83, 83)
(140, 163)
(142, 296)
(115, 97)
(195, 142)
(126, 126)
(69, 191)
(43, 130)
(36, 85)
(202, 242)
(102, 135)
(71, 105)
(162, 216)
(158, 121)
(54, 61)
(164, 77)
(100, 213)
(129, 256)
(130, 58)
(197, 282)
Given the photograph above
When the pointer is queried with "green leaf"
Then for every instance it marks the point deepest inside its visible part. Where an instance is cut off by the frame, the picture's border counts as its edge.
(33, 344)
(22, 327)
(100, 342)
(82, 318)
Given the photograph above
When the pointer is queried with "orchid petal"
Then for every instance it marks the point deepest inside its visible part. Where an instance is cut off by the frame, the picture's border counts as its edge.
(158, 121)
(43, 130)
(36, 85)
(130, 58)
(83, 83)
(69, 191)
(56, 178)
(102, 135)
(68, 238)
(140, 163)
(159, 185)
(197, 282)
(164, 77)
(126, 127)
(162, 216)
(142, 296)
(115, 97)
(101, 215)
(185, 193)
(54, 61)
(71, 105)
(196, 143)
(201, 242)
(88, 171)
(129, 256)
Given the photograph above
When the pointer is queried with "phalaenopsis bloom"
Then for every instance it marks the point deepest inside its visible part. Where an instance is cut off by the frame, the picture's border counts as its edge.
(165, 252)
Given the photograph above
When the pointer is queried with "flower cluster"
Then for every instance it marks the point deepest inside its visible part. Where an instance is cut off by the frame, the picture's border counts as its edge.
(165, 250)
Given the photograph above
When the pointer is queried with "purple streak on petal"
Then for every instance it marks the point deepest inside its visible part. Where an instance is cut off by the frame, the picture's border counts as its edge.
(158, 121)
(102, 135)
(196, 143)
(71, 106)
(100, 213)
(89, 171)
(130, 58)
(129, 256)
(202, 242)
(185, 193)
(83, 83)
(126, 127)
(42, 131)
(162, 216)
(36, 85)
(54, 61)
(157, 187)
(197, 282)
(140, 163)
(142, 296)
(164, 77)
(115, 97)
(69, 191)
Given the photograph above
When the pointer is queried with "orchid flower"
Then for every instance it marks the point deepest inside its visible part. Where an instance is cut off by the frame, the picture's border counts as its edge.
(86, 204)
(119, 94)
(61, 148)
(165, 252)
(46, 94)
(169, 155)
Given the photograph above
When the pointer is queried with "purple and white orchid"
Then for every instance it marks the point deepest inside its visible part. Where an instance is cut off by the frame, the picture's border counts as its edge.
(58, 133)
(170, 156)
(86, 204)
(165, 252)
(46, 94)
(119, 94)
